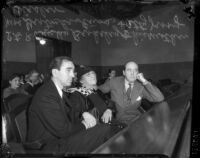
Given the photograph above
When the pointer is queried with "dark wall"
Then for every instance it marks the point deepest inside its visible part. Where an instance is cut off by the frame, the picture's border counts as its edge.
(179, 71)
(16, 67)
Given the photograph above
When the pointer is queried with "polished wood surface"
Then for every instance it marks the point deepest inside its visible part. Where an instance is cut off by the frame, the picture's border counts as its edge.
(156, 131)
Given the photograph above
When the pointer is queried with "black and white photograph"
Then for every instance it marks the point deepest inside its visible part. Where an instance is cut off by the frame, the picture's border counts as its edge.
(99, 77)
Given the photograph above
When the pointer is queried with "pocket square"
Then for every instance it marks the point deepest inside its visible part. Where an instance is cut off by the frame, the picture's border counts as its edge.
(138, 98)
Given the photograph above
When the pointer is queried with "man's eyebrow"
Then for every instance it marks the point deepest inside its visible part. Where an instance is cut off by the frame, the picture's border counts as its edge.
(133, 69)
(69, 68)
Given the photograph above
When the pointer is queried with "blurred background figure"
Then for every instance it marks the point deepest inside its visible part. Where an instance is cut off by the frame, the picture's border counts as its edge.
(14, 86)
(21, 79)
(33, 81)
(111, 74)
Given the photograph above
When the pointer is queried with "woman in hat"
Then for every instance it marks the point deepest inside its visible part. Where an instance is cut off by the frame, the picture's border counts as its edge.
(87, 97)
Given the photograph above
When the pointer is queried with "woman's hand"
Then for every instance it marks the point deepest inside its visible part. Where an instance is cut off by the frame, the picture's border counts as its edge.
(107, 116)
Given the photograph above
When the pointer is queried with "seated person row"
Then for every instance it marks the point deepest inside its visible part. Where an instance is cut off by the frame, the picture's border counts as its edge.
(52, 116)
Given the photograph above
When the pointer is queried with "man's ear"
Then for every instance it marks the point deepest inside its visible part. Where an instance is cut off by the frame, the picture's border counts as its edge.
(123, 72)
(54, 72)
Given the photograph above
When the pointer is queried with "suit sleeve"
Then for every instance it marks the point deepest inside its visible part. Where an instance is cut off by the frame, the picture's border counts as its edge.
(106, 87)
(54, 118)
(79, 105)
(110, 104)
(152, 93)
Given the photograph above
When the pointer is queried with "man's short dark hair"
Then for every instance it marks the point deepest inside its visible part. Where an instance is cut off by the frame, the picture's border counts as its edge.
(57, 62)
(11, 77)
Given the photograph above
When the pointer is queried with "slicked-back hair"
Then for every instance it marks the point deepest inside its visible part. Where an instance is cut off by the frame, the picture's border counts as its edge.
(57, 62)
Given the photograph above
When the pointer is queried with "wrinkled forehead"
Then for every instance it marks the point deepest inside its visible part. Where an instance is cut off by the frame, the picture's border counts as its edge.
(131, 65)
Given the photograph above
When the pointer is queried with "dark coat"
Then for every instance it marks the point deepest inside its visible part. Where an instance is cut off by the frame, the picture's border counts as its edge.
(97, 101)
(51, 120)
(49, 112)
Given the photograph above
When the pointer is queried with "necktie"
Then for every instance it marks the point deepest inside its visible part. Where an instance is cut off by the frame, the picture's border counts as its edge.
(128, 92)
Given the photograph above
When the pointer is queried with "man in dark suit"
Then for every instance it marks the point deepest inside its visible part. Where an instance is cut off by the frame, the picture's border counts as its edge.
(50, 116)
(128, 90)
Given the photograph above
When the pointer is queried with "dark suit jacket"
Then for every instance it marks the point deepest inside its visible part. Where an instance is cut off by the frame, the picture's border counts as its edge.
(49, 117)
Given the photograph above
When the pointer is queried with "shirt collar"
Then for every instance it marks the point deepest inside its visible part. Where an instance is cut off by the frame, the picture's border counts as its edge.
(58, 88)
(127, 84)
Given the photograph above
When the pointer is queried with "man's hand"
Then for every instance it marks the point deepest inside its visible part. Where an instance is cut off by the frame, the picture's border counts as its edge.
(88, 120)
(141, 78)
(107, 116)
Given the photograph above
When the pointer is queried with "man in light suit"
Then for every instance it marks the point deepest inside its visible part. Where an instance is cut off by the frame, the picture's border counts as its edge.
(51, 120)
(128, 90)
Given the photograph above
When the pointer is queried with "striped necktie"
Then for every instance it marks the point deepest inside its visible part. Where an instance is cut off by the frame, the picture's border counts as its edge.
(128, 92)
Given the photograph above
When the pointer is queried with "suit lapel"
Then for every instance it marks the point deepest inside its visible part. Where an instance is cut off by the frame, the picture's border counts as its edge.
(61, 102)
(134, 92)
(66, 100)
(122, 85)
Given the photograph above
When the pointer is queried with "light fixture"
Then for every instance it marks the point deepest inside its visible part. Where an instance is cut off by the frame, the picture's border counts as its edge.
(41, 40)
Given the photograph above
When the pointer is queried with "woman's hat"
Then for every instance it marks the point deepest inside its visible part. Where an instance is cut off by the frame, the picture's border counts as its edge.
(83, 70)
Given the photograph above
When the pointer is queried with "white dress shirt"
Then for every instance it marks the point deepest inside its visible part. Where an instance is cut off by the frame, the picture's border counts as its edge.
(127, 85)
(58, 88)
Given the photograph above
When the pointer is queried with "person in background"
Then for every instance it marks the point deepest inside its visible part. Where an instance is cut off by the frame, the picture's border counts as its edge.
(51, 118)
(128, 90)
(111, 74)
(14, 86)
(33, 82)
(87, 97)
(22, 79)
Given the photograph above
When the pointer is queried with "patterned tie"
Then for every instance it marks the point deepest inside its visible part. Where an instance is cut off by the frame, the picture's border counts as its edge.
(128, 92)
